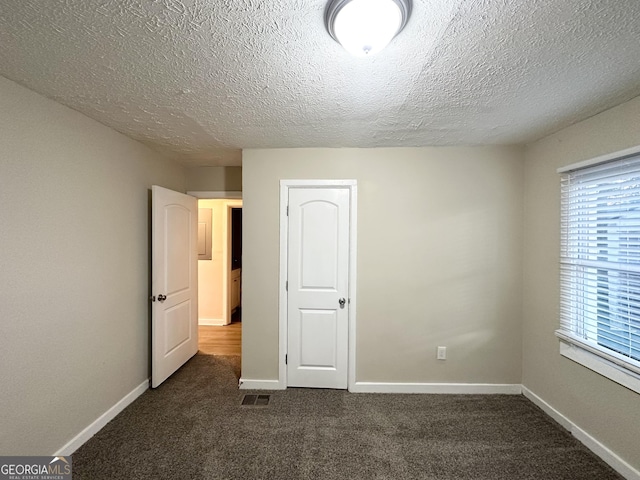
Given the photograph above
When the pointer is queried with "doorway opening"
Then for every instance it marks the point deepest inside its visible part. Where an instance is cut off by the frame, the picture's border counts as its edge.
(219, 276)
(236, 264)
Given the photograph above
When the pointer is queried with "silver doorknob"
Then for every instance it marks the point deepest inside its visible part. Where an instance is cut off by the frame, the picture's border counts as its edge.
(342, 301)
(162, 298)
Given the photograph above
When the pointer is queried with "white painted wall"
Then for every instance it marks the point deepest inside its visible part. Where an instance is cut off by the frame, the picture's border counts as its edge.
(605, 410)
(74, 268)
(439, 260)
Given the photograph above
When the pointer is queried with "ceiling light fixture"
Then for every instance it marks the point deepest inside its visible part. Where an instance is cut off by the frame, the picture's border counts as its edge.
(364, 27)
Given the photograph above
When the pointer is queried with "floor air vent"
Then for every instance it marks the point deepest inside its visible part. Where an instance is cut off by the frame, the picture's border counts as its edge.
(255, 400)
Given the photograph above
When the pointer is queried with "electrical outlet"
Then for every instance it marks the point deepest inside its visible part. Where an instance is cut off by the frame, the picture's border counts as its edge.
(442, 353)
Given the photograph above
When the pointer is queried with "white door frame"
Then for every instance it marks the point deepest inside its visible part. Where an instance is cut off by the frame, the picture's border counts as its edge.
(285, 185)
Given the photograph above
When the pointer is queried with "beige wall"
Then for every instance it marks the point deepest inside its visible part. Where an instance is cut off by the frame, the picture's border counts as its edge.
(606, 410)
(74, 243)
(214, 179)
(439, 259)
(210, 272)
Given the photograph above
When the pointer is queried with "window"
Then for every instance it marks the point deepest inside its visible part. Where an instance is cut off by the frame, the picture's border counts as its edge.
(600, 261)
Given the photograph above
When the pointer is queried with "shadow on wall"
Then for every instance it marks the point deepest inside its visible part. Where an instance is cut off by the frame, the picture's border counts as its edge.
(214, 179)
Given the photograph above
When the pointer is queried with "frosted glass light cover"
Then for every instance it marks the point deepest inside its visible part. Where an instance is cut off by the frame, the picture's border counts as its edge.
(364, 27)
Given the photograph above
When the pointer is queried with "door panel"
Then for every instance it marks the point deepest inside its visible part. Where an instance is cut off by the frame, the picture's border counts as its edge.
(177, 236)
(174, 309)
(319, 246)
(318, 331)
(318, 276)
(178, 326)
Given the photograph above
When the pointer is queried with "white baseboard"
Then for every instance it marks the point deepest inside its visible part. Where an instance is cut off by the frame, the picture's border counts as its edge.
(77, 441)
(211, 321)
(249, 384)
(380, 387)
(449, 388)
(601, 450)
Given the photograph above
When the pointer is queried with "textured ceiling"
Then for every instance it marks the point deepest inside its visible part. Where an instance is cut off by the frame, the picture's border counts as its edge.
(201, 80)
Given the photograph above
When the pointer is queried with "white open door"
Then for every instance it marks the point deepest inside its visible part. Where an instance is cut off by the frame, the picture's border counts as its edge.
(174, 285)
(318, 287)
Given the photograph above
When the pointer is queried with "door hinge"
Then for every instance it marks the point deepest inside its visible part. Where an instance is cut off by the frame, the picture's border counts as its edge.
(286, 285)
(286, 359)
(287, 210)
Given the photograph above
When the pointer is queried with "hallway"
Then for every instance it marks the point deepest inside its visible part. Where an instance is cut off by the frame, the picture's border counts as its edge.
(220, 340)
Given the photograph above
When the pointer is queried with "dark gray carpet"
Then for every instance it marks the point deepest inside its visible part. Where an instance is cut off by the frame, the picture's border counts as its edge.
(193, 427)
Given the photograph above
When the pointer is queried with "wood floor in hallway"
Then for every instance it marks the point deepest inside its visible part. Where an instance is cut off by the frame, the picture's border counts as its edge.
(220, 340)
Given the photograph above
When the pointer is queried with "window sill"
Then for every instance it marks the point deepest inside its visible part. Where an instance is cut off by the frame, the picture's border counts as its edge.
(599, 364)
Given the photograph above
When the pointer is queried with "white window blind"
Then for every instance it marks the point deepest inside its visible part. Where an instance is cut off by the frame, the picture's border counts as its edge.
(600, 260)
